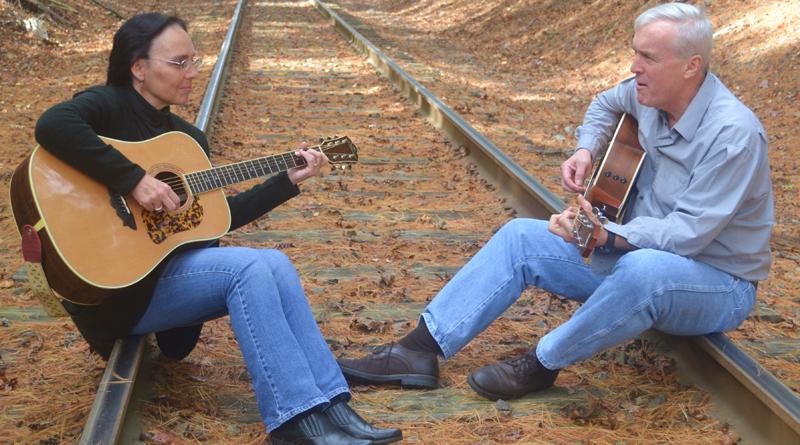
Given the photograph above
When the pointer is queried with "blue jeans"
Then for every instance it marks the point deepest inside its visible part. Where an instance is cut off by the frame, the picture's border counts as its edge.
(646, 288)
(291, 365)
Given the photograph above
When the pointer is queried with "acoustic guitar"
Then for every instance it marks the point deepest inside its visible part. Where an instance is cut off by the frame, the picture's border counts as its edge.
(611, 184)
(94, 242)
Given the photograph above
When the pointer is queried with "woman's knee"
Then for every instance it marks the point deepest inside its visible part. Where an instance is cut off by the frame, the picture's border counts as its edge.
(277, 261)
(253, 258)
(274, 256)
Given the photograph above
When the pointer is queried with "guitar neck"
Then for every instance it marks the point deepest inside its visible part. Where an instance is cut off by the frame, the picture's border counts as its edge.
(214, 178)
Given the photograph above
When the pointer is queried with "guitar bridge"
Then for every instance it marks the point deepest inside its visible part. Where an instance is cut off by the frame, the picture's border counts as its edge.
(123, 211)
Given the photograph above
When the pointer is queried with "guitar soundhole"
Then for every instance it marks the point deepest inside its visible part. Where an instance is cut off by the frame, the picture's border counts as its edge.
(176, 183)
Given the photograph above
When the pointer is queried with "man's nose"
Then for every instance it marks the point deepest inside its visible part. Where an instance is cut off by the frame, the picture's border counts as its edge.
(636, 66)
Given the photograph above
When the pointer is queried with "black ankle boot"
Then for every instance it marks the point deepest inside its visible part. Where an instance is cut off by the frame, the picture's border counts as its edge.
(351, 423)
(313, 429)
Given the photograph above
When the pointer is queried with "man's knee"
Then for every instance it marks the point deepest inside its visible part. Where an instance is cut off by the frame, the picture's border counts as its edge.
(522, 227)
(643, 265)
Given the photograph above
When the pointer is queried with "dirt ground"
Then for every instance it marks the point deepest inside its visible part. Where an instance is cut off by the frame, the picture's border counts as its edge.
(534, 62)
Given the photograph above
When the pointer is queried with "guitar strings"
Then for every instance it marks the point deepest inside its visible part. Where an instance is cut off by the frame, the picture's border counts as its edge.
(250, 167)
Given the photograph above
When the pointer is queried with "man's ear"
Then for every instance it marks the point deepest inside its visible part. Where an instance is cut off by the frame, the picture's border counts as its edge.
(137, 70)
(694, 66)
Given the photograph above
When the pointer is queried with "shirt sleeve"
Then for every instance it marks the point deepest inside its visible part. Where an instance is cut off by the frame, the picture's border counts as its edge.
(603, 114)
(69, 131)
(251, 204)
(716, 191)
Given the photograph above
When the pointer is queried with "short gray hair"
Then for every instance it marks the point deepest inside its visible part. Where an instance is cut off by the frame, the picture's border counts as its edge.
(695, 33)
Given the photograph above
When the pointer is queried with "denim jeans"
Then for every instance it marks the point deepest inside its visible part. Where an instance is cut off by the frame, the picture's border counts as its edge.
(291, 365)
(646, 288)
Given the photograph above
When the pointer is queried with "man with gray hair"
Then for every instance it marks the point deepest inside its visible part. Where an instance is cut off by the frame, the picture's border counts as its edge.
(686, 261)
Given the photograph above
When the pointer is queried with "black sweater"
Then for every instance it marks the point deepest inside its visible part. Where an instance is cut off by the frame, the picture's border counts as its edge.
(69, 131)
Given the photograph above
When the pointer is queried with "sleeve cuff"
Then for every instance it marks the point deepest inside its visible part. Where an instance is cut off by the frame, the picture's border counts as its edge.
(589, 142)
(616, 229)
(292, 189)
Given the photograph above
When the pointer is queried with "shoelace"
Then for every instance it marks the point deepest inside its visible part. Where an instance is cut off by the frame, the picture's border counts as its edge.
(524, 366)
(388, 349)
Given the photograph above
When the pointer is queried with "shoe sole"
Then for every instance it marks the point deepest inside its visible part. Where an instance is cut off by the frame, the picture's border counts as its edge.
(374, 442)
(284, 442)
(421, 381)
(388, 440)
(490, 395)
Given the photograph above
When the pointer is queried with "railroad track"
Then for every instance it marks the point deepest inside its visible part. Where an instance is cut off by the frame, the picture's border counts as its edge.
(374, 245)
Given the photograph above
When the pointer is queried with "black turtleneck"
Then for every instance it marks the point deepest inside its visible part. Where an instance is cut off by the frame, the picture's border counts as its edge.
(69, 130)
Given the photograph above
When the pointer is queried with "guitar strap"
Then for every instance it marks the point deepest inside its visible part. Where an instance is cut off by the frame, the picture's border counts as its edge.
(32, 253)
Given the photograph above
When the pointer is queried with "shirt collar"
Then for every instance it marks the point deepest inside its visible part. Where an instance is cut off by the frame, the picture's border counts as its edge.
(689, 122)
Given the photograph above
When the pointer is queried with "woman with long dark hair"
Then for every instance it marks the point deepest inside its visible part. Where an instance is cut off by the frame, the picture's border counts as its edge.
(301, 393)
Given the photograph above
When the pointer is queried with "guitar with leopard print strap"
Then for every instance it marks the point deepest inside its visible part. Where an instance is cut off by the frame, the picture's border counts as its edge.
(93, 242)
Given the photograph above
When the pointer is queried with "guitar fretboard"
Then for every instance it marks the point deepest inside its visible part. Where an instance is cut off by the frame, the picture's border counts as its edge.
(218, 177)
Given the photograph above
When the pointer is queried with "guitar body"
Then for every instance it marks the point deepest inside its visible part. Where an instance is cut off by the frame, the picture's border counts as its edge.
(95, 243)
(613, 180)
(611, 183)
(87, 249)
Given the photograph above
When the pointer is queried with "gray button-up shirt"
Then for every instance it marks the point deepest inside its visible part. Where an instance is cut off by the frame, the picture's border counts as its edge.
(704, 190)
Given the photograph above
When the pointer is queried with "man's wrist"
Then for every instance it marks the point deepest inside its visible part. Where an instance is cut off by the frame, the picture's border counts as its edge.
(588, 150)
(608, 246)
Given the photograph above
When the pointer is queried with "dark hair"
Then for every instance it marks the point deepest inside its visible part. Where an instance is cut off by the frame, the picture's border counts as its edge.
(132, 42)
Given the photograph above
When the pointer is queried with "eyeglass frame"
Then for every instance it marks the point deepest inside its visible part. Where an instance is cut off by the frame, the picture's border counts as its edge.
(184, 64)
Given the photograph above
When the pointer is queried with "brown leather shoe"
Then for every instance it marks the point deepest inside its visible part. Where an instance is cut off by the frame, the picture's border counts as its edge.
(512, 378)
(394, 363)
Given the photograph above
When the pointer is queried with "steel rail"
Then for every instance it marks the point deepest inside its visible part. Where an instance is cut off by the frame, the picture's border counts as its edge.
(751, 385)
(105, 421)
(526, 194)
(210, 103)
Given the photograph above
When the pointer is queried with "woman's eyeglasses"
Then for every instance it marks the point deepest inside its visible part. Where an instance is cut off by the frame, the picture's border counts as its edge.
(183, 64)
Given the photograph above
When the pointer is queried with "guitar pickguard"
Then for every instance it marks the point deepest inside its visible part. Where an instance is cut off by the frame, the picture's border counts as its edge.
(161, 225)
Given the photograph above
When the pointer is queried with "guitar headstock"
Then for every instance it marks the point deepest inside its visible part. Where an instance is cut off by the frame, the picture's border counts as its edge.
(339, 149)
(586, 231)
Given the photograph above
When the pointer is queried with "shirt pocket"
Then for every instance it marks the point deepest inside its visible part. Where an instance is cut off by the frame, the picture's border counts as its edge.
(670, 181)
